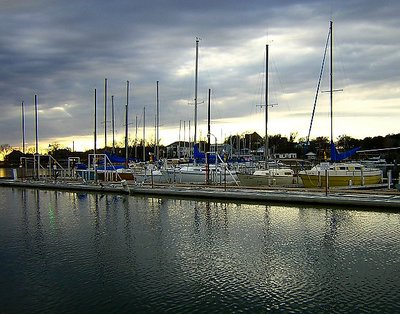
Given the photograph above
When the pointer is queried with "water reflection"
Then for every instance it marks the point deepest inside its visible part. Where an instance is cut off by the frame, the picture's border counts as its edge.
(99, 252)
(265, 237)
(129, 236)
(39, 237)
(25, 218)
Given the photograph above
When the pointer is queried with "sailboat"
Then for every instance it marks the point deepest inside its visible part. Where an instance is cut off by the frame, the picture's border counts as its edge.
(140, 172)
(274, 175)
(338, 173)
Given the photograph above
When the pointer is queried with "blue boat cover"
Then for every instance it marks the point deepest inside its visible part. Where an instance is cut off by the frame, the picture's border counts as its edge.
(336, 156)
(200, 157)
(117, 159)
(197, 154)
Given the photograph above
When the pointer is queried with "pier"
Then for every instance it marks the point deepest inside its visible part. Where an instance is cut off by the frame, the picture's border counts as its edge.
(364, 199)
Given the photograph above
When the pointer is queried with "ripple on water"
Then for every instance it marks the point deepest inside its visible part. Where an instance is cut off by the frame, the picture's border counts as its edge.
(148, 255)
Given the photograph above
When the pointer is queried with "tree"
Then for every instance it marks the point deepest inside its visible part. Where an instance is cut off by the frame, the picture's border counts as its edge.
(320, 146)
(53, 147)
(346, 142)
(293, 136)
(5, 149)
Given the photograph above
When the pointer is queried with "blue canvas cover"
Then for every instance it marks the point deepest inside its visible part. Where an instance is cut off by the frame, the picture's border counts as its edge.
(201, 156)
(336, 156)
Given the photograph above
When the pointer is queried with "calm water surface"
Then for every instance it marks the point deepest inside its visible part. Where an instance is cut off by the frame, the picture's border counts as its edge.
(63, 252)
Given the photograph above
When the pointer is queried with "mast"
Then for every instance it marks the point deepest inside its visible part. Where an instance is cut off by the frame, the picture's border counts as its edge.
(23, 126)
(126, 124)
(37, 156)
(195, 91)
(189, 143)
(105, 113)
(157, 151)
(184, 139)
(94, 128)
(136, 140)
(95, 136)
(209, 122)
(144, 134)
(266, 107)
(209, 137)
(36, 125)
(331, 78)
(179, 141)
(113, 124)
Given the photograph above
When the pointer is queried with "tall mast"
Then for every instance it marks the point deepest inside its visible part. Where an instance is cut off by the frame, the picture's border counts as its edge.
(23, 126)
(105, 113)
(113, 124)
(184, 138)
(195, 90)
(209, 137)
(331, 78)
(126, 124)
(189, 142)
(136, 140)
(157, 125)
(209, 124)
(94, 128)
(209, 120)
(144, 134)
(36, 125)
(36, 160)
(95, 136)
(266, 106)
(179, 141)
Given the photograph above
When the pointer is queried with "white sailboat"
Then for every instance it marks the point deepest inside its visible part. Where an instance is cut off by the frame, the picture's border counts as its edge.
(339, 173)
(141, 172)
(197, 174)
(269, 175)
(201, 173)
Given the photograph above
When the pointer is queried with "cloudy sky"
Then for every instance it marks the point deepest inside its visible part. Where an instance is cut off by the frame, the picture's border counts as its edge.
(63, 50)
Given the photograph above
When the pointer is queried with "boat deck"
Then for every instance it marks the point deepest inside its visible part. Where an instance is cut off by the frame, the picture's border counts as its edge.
(367, 199)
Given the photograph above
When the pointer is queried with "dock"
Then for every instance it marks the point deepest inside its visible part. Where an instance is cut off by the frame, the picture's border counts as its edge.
(367, 199)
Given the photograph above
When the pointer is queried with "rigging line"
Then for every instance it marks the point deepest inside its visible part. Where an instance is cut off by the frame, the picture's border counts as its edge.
(278, 83)
(318, 87)
(260, 89)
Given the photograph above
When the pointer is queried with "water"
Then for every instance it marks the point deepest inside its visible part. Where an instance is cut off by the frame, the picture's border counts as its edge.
(63, 252)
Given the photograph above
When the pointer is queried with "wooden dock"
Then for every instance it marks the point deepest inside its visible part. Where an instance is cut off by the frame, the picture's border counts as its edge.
(349, 198)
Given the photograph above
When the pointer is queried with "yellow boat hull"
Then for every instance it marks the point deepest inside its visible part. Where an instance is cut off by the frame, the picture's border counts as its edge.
(314, 181)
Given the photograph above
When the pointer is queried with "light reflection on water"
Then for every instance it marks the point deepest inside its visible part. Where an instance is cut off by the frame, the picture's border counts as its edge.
(79, 252)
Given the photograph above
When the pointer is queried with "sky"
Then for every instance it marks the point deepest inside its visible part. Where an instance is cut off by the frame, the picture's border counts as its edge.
(62, 51)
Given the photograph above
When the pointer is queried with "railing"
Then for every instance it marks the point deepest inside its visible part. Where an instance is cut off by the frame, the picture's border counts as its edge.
(42, 167)
(101, 164)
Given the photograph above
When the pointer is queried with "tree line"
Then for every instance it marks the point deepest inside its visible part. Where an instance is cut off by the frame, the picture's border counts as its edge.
(250, 141)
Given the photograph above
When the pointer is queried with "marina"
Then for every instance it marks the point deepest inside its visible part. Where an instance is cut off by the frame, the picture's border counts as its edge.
(249, 224)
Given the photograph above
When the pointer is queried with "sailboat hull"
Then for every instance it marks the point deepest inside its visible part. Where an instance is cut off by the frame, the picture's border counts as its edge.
(142, 175)
(198, 175)
(316, 180)
(254, 180)
(269, 177)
